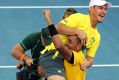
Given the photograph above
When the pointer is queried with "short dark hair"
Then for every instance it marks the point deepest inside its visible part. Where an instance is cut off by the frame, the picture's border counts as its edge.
(70, 11)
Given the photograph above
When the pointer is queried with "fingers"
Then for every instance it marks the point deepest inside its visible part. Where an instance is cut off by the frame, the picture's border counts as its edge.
(83, 37)
(47, 15)
(84, 65)
(83, 41)
(46, 12)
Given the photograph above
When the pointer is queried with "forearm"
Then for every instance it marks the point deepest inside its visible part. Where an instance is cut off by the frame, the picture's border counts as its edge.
(47, 16)
(53, 32)
(57, 41)
(48, 19)
(61, 47)
(89, 61)
(66, 30)
(19, 54)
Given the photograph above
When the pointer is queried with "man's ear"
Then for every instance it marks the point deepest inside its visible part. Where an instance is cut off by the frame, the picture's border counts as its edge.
(90, 8)
(80, 46)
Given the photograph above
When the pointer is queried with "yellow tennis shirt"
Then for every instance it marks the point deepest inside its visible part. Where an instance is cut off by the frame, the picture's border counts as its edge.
(73, 71)
(82, 22)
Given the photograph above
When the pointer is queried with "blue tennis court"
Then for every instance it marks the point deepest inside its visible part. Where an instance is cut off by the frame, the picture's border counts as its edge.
(18, 18)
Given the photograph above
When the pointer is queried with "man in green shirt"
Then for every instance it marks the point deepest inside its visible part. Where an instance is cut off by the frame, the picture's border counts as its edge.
(35, 42)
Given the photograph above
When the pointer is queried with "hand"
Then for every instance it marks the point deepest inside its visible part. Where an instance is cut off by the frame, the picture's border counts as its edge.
(28, 60)
(83, 37)
(19, 66)
(47, 16)
(46, 13)
(88, 62)
(84, 65)
(41, 71)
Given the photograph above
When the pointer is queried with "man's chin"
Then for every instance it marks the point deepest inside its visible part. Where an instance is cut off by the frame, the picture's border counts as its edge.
(100, 21)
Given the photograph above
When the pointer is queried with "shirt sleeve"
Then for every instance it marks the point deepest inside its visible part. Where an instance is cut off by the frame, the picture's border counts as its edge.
(29, 41)
(92, 51)
(72, 21)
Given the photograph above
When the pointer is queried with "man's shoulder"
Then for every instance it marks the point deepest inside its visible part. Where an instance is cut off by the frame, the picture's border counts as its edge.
(79, 16)
(32, 42)
(33, 35)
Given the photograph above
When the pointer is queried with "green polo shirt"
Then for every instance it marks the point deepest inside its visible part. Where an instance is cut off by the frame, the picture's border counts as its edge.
(32, 42)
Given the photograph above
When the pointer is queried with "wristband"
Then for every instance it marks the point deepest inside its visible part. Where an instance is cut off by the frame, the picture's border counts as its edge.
(52, 30)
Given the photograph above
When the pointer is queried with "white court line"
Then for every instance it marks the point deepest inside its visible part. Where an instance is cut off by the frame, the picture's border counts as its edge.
(115, 6)
(7, 66)
(97, 65)
(106, 65)
(43, 6)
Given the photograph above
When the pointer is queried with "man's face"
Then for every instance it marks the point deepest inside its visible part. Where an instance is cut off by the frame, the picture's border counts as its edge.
(99, 12)
(73, 43)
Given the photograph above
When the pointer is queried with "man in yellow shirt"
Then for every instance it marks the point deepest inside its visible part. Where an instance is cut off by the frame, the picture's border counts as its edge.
(71, 51)
(85, 27)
